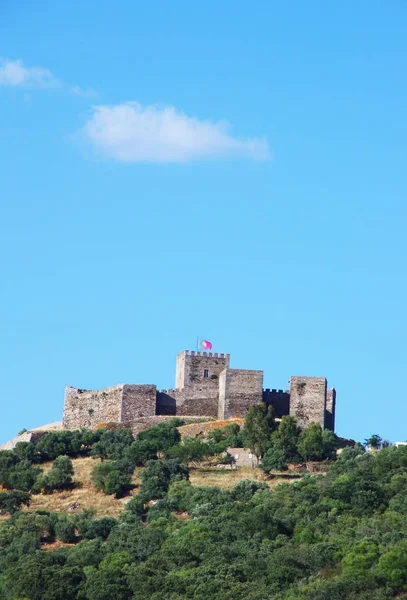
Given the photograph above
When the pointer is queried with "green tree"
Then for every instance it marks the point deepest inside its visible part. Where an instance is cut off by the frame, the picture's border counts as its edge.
(194, 450)
(310, 442)
(60, 475)
(392, 567)
(258, 425)
(23, 476)
(374, 441)
(108, 581)
(158, 475)
(100, 528)
(112, 444)
(8, 462)
(65, 530)
(286, 438)
(110, 478)
(161, 437)
(245, 489)
(10, 502)
(275, 459)
(361, 558)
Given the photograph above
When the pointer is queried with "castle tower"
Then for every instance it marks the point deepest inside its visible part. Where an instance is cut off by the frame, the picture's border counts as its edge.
(200, 370)
(311, 402)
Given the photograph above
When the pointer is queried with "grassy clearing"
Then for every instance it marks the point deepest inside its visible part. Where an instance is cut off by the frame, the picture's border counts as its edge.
(226, 479)
(84, 495)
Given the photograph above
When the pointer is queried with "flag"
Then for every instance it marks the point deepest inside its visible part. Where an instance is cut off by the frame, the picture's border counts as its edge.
(204, 345)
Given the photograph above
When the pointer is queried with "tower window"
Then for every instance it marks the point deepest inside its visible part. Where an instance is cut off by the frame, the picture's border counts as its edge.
(206, 373)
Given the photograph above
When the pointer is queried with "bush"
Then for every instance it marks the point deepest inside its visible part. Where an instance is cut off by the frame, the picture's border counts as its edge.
(112, 444)
(140, 452)
(117, 482)
(109, 478)
(161, 437)
(274, 460)
(245, 489)
(23, 476)
(60, 475)
(11, 502)
(65, 530)
(194, 450)
(100, 527)
(158, 475)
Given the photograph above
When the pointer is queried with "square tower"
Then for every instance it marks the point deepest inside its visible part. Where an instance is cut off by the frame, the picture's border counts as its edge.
(199, 369)
(308, 400)
(239, 389)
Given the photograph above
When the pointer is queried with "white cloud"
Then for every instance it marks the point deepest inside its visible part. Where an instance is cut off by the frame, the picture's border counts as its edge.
(130, 132)
(13, 73)
(82, 92)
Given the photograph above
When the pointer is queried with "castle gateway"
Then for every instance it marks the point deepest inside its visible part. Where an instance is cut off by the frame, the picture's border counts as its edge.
(205, 386)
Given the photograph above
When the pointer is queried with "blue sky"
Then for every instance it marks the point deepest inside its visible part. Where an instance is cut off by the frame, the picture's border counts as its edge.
(233, 170)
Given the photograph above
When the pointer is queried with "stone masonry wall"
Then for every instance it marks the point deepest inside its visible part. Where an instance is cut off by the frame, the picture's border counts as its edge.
(279, 400)
(88, 408)
(138, 401)
(308, 400)
(188, 402)
(330, 409)
(238, 390)
(192, 365)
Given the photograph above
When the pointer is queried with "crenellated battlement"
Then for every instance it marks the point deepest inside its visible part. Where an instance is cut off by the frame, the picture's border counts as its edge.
(207, 354)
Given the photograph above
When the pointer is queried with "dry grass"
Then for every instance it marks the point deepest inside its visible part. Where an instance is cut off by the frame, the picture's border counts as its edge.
(194, 429)
(55, 545)
(226, 479)
(85, 495)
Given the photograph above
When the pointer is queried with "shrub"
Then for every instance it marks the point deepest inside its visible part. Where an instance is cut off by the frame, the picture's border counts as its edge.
(161, 437)
(112, 444)
(23, 476)
(10, 502)
(245, 489)
(60, 475)
(109, 478)
(158, 475)
(274, 460)
(100, 527)
(65, 530)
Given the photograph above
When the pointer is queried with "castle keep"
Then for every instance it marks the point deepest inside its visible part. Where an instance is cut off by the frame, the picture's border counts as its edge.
(205, 386)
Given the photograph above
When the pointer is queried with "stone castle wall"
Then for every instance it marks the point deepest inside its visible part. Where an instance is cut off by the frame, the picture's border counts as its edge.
(206, 387)
(118, 404)
(88, 408)
(308, 400)
(279, 400)
(198, 401)
(239, 389)
(330, 409)
(138, 401)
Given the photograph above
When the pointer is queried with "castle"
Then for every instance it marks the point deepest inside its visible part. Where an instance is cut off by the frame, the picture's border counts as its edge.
(205, 386)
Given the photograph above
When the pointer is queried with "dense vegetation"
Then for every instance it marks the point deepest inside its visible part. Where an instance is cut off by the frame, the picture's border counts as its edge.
(337, 536)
